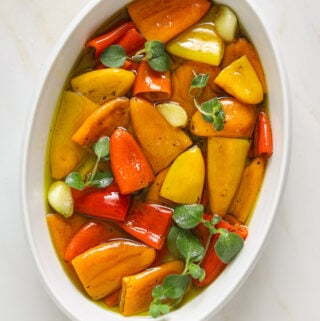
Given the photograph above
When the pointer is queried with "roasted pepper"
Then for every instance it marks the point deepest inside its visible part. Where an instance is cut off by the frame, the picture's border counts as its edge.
(148, 223)
(185, 179)
(105, 202)
(199, 43)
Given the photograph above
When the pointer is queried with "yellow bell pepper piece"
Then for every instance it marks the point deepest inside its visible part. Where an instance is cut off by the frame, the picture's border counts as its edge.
(184, 181)
(240, 80)
(226, 160)
(199, 43)
(136, 293)
(64, 153)
(247, 192)
(101, 269)
(103, 84)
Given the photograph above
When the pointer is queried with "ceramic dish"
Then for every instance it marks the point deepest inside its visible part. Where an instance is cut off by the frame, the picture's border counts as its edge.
(71, 301)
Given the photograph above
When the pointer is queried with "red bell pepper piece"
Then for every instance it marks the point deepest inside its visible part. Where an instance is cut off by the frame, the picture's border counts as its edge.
(90, 235)
(211, 262)
(106, 202)
(102, 42)
(129, 165)
(132, 41)
(148, 223)
(262, 140)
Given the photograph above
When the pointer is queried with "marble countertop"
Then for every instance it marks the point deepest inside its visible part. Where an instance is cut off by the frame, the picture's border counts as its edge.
(285, 283)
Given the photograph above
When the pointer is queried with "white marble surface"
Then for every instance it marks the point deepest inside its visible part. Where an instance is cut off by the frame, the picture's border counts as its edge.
(285, 283)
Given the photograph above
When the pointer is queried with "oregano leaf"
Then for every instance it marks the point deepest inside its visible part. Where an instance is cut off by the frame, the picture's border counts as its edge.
(154, 49)
(172, 241)
(189, 245)
(102, 147)
(188, 216)
(102, 179)
(75, 180)
(114, 56)
(228, 245)
(160, 63)
(175, 285)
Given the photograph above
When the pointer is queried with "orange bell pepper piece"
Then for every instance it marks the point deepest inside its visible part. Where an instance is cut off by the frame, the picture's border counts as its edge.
(129, 165)
(163, 20)
(151, 84)
(101, 268)
(103, 121)
(160, 141)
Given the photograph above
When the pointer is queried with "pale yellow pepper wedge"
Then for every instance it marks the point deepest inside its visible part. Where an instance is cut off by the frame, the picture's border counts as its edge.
(185, 179)
(136, 293)
(103, 84)
(64, 153)
(226, 159)
(239, 79)
(101, 269)
(248, 190)
(199, 43)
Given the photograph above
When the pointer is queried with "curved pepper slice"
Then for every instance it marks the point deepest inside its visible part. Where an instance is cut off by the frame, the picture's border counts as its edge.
(103, 121)
(105, 202)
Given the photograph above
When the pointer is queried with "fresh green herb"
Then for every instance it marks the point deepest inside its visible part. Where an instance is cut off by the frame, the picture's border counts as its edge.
(210, 110)
(174, 286)
(96, 178)
(198, 82)
(114, 56)
(183, 243)
(154, 52)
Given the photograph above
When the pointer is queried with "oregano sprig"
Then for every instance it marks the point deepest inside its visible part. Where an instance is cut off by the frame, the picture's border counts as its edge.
(182, 243)
(95, 178)
(211, 110)
(153, 51)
